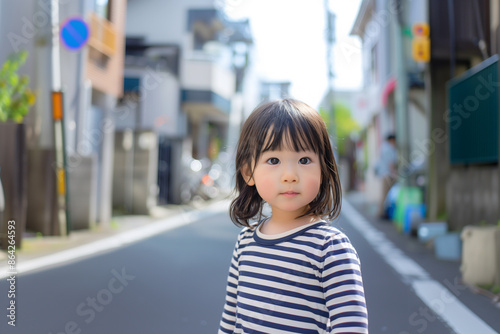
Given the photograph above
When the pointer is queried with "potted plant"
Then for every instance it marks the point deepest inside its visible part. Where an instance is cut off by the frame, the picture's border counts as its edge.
(15, 101)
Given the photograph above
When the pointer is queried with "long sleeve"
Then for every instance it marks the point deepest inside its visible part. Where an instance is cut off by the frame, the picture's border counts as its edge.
(343, 287)
(228, 320)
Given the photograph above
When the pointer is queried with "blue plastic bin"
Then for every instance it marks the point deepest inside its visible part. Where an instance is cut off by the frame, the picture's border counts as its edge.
(414, 214)
(448, 247)
(428, 231)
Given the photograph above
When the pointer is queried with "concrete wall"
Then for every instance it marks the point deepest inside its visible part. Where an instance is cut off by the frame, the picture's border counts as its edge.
(42, 193)
(145, 172)
(135, 171)
(82, 190)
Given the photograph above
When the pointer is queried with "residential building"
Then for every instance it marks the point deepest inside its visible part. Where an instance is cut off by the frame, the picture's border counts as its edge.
(463, 144)
(273, 90)
(452, 100)
(97, 95)
(205, 95)
(69, 160)
(376, 25)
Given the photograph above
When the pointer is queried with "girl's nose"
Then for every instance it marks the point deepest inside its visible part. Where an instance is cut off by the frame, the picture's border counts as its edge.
(289, 174)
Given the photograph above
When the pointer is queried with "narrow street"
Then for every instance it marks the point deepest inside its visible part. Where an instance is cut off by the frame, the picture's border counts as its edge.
(124, 128)
(175, 283)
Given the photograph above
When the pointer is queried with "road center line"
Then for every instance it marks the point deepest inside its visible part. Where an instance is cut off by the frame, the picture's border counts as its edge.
(451, 310)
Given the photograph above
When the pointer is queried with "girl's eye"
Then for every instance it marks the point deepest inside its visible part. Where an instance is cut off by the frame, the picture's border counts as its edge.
(304, 161)
(273, 161)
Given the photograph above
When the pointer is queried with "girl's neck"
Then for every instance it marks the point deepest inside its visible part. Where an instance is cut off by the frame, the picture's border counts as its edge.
(278, 225)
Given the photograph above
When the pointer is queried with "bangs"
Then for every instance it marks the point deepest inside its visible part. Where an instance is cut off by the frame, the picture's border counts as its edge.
(286, 127)
(279, 125)
(279, 137)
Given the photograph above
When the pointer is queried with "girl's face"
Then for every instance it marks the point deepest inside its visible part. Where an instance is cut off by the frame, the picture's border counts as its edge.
(287, 180)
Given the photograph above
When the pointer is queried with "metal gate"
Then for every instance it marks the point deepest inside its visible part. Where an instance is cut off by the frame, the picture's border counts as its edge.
(164, 167)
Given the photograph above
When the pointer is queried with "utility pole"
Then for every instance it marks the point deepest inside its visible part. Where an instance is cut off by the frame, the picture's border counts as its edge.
(401, 95)
(58, 119)
(330, 41)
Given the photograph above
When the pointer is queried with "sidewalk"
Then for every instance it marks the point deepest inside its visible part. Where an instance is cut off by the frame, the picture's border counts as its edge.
(447, 273)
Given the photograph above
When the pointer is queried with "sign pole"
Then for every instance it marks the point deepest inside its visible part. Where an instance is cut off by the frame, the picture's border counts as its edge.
(57, 116)
(401, 99)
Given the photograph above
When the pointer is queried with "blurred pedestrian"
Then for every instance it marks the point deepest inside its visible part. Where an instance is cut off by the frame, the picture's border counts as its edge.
(292, 271)
(387, 170)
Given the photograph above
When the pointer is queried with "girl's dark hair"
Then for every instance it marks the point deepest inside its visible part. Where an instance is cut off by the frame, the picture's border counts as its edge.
(296, 125)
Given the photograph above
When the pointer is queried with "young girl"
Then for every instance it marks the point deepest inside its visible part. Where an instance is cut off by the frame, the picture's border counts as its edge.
(292, 272)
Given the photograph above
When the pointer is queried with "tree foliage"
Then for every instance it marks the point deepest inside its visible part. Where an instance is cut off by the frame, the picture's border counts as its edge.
(343, 124)
(15, 95)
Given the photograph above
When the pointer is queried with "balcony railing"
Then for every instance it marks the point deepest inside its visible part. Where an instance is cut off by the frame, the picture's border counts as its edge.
(207, 82)
(102, 35)
(207, 75)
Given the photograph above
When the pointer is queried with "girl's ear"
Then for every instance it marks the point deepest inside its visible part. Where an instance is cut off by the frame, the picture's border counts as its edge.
(247, 176)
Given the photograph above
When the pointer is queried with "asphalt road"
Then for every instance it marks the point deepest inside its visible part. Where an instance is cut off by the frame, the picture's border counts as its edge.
(175, 283)
(170, 283)
(392, 306)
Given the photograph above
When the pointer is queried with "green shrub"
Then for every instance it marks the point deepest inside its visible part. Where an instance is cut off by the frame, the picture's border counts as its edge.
(15, 95)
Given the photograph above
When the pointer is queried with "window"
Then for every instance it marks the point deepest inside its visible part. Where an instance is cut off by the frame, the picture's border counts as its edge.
(102, 8)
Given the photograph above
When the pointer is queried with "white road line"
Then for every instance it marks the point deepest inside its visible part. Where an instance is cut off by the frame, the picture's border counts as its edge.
(116, 241)
(432, 293)
(448, 307)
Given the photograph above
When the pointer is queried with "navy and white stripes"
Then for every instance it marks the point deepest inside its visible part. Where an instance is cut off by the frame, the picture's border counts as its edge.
(307, 281)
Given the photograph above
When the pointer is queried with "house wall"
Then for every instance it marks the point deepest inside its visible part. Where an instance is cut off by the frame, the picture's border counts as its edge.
(110, 79)
(172, 16)
(373, 184)
(464, 195)
(158, 106)
(418, 127)
(472, 196)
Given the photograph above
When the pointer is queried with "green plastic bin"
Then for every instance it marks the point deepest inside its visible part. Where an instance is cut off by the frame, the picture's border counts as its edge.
(407, 196)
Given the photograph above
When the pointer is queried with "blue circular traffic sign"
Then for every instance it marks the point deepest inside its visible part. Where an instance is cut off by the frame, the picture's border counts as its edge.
(74, 33)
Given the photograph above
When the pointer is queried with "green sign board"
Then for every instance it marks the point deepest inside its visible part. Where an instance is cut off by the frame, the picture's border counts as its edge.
(473, 114)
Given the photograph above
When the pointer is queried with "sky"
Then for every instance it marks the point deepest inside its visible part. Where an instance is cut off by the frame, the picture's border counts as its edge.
(290, 44)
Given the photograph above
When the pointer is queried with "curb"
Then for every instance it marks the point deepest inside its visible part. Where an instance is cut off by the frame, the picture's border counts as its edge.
(75, 252)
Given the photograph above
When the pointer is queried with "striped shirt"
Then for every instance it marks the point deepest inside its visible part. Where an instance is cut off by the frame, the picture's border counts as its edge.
(307, 280)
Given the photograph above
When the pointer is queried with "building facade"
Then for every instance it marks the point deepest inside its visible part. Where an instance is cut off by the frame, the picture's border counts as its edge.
(68, 159)
(208, 60)
(377, 26)
(452, 108)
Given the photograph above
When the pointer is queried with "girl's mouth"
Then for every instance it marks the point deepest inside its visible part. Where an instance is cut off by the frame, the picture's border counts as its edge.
(290, 194)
